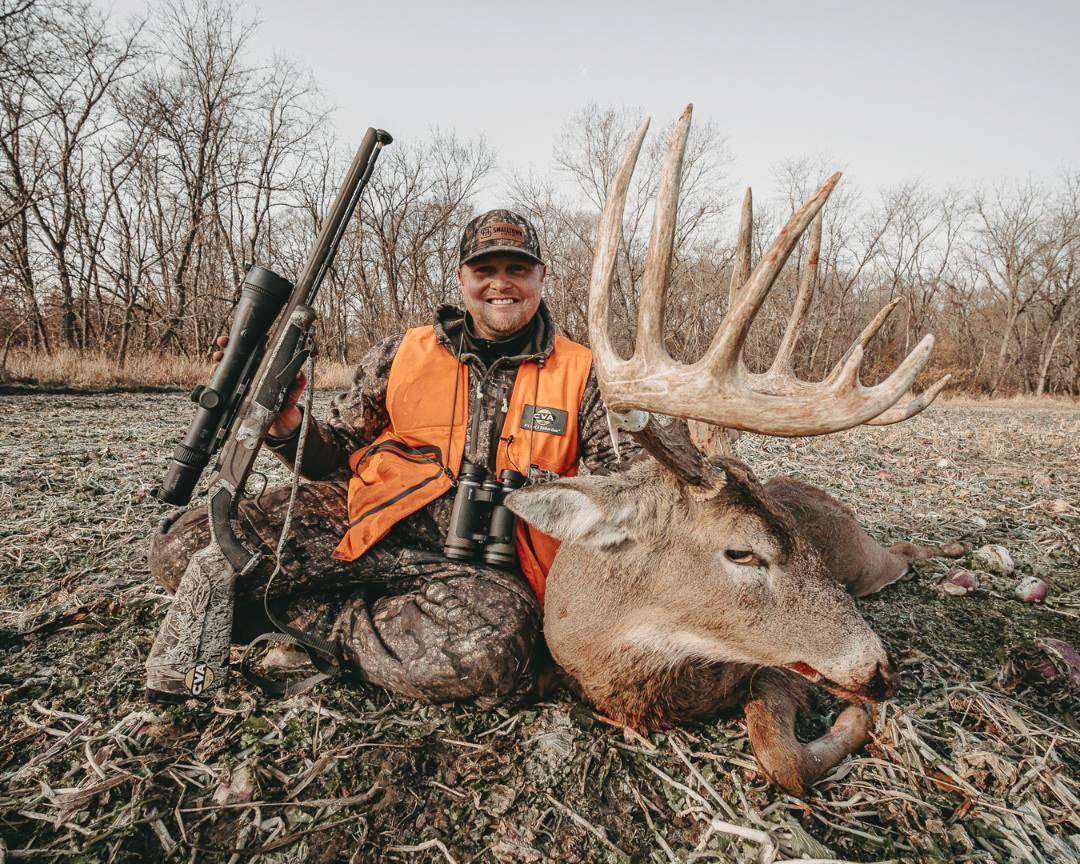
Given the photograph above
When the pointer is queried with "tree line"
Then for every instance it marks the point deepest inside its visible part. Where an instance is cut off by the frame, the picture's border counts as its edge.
(144, 166)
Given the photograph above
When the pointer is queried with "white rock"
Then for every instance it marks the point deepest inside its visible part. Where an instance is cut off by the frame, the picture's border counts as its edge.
(993, 559)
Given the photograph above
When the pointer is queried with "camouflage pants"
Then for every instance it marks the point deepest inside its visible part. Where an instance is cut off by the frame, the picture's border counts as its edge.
(430, 629)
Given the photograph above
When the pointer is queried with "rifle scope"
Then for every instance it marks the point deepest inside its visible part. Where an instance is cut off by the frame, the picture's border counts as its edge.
(262, 297)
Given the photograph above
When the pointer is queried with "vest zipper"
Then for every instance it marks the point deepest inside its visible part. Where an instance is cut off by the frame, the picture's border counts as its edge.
(416, 455)
(474, 418)
(496, 431)
(500, 419)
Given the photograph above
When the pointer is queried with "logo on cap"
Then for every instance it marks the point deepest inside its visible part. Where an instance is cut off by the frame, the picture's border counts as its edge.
(501, 231)
(498, 230)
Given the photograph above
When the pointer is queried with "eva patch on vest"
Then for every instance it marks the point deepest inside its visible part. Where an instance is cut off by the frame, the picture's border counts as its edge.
(541, 419)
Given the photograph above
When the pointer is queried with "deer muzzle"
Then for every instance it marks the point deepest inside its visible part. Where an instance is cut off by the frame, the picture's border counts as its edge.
(881, 684)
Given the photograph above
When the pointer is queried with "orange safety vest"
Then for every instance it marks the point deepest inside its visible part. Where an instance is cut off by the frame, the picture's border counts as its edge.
(412, 462)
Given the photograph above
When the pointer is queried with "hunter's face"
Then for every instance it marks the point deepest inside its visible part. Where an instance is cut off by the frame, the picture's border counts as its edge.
(502, 292)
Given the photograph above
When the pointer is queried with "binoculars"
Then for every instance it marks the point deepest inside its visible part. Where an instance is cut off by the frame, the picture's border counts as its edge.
(481, 526)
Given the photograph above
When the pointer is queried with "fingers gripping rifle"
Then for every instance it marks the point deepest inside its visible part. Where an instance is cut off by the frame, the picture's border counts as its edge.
(190, 655)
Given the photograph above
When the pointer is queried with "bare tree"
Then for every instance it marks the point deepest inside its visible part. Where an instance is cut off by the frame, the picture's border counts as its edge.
(1008, 243)
(1058, 302)
(142, 171)
(69, 95)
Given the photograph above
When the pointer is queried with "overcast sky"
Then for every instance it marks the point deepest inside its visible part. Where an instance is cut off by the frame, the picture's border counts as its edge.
(951, 92)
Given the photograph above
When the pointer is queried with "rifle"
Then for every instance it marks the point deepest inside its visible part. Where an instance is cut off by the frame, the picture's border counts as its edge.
(190, 655)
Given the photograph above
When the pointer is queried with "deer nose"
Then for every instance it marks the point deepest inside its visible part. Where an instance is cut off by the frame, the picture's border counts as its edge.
(884, 684)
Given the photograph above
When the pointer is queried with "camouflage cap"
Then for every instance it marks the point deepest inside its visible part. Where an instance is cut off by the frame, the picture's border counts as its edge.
(499, 231)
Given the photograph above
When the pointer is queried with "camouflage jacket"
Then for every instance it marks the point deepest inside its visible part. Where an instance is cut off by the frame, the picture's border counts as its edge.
(359, 415)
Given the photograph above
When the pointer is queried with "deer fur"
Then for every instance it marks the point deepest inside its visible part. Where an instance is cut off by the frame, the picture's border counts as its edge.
(645, 611)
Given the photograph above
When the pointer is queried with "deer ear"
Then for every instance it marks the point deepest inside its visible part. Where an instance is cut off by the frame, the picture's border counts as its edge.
(584, 510)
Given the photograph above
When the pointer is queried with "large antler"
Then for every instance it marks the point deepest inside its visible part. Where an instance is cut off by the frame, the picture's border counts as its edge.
(718, 389)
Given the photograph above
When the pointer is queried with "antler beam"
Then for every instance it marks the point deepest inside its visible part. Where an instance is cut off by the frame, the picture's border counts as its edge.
(718, 389)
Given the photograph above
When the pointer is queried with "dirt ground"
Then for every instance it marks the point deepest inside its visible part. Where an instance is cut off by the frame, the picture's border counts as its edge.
(977, 759)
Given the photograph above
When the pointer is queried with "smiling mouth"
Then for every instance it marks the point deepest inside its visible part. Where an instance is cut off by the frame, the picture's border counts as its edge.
(501, 301)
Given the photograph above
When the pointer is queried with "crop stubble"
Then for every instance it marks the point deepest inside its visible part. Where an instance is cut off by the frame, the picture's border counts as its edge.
(965, 765)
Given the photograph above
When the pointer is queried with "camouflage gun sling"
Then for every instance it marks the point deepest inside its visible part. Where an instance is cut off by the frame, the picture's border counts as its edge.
(190, 655)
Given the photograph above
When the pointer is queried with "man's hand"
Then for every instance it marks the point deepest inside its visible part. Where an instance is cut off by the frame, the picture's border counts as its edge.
(288, 419)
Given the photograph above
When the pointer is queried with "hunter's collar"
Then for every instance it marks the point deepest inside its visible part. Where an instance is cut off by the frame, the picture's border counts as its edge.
(451, 321)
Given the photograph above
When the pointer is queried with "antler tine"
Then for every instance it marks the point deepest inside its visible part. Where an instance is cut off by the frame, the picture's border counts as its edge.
(650, 335)
(781, 365)
(863, 339)
(608, 234)
(899, 413)
(896, 385)
(723, 354)
(740, 270)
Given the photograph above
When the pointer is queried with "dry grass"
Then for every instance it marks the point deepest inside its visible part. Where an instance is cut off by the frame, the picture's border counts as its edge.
(964, 400)
(97, 371)
(967, 764)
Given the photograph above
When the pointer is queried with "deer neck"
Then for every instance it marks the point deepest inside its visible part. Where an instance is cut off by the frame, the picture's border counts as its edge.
(643, 671)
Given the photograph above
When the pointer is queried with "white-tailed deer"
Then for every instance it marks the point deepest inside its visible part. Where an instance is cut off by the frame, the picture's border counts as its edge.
(684, 586)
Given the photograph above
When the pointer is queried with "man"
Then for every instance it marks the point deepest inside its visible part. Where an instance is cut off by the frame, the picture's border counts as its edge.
(494, 386)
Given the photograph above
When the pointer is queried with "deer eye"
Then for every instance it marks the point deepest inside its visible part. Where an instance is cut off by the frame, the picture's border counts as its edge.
(741, 556)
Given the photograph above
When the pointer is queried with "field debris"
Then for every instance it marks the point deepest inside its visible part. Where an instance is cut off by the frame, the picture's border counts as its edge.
(993, 558)
(1031, 589)
(958, 582)
(1058, 506)
(1044, 661)
(976, 760)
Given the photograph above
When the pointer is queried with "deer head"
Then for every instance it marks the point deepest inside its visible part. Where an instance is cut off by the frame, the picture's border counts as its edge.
(684, 558)
(653, 574)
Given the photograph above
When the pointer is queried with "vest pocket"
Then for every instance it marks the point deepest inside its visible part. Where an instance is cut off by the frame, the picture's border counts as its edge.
(404, 493)
(374, 467)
